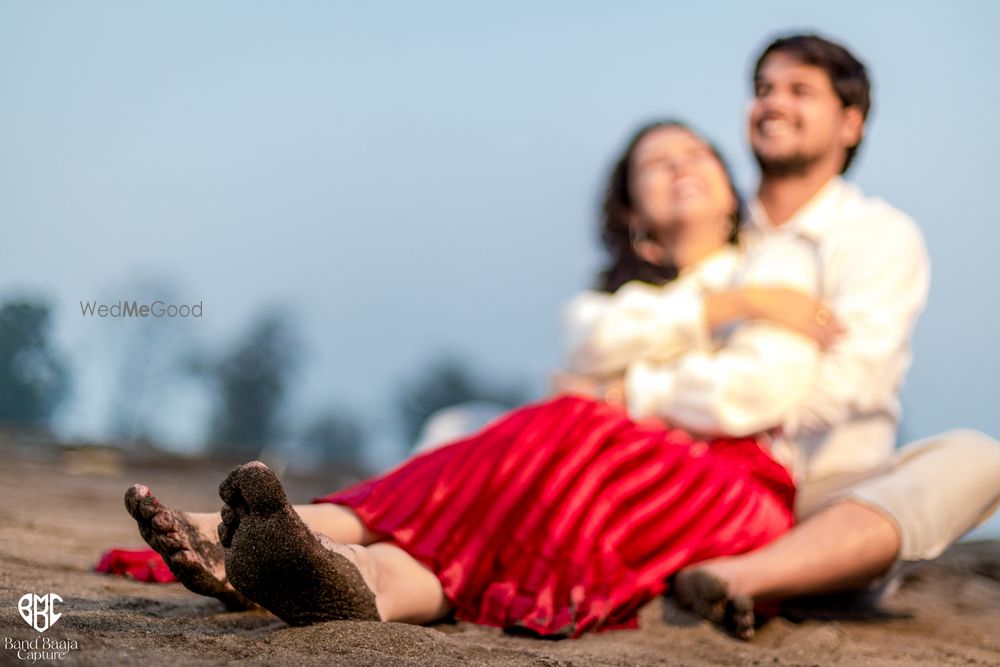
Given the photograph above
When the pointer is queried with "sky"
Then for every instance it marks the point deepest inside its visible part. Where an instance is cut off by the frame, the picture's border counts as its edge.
(412, 179)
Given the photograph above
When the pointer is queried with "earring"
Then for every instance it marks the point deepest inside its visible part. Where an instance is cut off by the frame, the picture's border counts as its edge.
(645, 247)
(637, 236)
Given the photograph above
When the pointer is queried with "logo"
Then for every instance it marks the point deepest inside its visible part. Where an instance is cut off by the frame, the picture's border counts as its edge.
(39, 611)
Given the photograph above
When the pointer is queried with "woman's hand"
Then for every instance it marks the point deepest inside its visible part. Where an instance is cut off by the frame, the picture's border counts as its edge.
(574, 383)
(793, 309)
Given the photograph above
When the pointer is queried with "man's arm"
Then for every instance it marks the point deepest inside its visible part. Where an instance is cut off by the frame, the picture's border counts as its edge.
(760, 375)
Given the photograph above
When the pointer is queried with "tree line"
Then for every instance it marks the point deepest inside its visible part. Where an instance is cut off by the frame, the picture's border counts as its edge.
(251, 381)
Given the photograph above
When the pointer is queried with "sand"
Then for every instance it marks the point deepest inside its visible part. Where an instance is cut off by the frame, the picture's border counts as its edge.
(59, 509)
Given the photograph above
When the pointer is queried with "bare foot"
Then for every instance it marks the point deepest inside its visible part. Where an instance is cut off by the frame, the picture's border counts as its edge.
(707, 594)
(190, 547)
(275, 559)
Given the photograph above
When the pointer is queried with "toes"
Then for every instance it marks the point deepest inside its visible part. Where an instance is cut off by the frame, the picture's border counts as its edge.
(164, 522)
(253, 486)
(133, 497)
(141, 505)
(703, 593)
(261, 488)
(708, 596)
(149, 507)
(229, 489)
(170, 542)
(740, 617)
(230, 521)
(225, 535)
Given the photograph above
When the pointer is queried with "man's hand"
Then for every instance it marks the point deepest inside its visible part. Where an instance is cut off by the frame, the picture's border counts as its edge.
(797, 311)
(611, 391)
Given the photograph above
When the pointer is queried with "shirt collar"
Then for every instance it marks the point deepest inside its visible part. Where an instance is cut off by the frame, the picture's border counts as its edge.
(811, 220)
(714, 269)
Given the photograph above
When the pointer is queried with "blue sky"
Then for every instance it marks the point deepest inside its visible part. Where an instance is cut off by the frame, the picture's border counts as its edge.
(409, 179)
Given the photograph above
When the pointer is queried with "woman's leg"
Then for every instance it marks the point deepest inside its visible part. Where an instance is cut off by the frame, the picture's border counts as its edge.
(405, 589)
(275, 559)
(337, 522)
(189, 541)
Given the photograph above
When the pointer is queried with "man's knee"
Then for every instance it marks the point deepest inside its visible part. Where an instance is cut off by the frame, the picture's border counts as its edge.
(939, 489)
(975, 448)
(964, 447)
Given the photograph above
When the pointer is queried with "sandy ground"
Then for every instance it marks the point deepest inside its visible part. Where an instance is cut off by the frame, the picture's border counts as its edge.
(59, 510)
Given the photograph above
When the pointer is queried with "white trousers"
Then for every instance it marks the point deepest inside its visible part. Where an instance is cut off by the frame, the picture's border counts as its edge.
(933, 491)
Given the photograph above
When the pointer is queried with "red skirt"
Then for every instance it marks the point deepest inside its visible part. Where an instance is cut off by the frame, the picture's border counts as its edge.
(566, 516)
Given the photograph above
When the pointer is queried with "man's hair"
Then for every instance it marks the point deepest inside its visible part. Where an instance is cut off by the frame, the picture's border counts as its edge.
(847, 74)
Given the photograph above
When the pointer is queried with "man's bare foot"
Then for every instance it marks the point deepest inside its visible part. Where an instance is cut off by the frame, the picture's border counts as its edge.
(275, 559)
(189, 547)
(708, 595)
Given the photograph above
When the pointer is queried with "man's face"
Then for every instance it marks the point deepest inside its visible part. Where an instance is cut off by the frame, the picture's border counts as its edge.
(797, 120)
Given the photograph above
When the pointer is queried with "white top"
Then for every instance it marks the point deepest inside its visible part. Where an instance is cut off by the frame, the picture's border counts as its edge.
(743, 381)
(837, 411)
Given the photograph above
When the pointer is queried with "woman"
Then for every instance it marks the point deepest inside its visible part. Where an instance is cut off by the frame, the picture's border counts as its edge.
(559, 518)
(667, 288)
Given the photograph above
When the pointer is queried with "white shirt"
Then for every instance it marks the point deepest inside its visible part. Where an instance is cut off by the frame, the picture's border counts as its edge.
(836, 412)
(875, 278)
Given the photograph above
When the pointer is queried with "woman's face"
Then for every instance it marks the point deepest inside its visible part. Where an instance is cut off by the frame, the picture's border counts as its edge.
(680, 191)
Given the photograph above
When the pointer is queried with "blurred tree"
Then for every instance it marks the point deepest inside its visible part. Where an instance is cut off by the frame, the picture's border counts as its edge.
(33, 377)
(147, 354)
(447, 381)
(252, 383)
(336, 439)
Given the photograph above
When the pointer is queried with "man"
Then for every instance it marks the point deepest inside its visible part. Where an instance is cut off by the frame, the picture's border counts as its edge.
(863, 506)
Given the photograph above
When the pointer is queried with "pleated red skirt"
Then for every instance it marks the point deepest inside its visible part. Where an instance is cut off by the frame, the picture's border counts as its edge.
(566, 516)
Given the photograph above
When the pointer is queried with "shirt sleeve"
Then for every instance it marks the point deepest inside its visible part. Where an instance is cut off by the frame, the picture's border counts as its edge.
(605, 333)
(758, 376)
(883, 284)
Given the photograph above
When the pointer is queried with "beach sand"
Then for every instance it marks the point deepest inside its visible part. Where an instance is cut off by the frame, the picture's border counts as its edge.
(60, 508)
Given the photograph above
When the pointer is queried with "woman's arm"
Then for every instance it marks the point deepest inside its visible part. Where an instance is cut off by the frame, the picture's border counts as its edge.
(749, 386)
(607, 332)
(790, 308)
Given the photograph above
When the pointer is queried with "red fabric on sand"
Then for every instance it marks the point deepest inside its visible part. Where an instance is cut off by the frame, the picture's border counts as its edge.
(140, 564)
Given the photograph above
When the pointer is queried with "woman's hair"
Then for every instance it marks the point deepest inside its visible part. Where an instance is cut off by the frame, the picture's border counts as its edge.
(623, 264)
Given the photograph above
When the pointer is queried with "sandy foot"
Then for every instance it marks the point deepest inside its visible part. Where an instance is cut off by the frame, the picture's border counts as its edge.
(191, 551)
(708, 596)
(272, 557)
